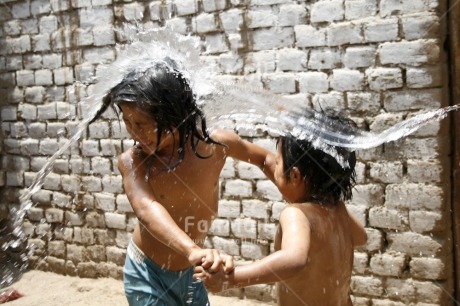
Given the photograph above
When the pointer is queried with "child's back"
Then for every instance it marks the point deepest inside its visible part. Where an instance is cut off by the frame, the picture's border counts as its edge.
(325, 279)
(313, 258)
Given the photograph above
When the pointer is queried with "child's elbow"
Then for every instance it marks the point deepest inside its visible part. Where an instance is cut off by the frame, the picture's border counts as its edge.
(360, 238)
(297, 263)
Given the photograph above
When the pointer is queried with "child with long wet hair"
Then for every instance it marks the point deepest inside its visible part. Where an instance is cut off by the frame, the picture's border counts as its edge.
(313, 258)
(171, 178)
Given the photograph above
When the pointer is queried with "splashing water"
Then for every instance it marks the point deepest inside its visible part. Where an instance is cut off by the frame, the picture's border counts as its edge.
(232, 105)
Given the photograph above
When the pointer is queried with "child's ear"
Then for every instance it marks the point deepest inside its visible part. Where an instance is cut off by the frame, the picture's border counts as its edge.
(296, 176)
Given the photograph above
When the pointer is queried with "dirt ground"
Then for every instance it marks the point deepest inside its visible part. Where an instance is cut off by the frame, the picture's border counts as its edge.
(45, 288)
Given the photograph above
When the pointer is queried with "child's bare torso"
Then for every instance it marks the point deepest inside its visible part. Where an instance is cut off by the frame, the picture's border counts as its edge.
(190, 195)
(326, 278)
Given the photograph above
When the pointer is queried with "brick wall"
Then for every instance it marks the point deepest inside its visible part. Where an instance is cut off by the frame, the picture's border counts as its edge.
(379, 60)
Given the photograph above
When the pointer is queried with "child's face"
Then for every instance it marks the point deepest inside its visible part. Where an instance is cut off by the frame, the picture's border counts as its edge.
(141, 126)
(293, 190)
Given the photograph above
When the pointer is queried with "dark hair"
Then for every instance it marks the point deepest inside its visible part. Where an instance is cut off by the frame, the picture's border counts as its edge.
(327, 179)
(164, 93)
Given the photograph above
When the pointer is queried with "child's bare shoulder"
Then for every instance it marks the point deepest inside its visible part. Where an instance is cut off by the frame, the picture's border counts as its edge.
(295, 210)
(223, 136)
(129, 158)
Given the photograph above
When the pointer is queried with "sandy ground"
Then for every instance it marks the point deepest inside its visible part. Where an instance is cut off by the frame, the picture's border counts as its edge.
(45, 288)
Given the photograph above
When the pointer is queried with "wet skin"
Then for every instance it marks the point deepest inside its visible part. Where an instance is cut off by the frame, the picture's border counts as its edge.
(313, 258)
(174, 207)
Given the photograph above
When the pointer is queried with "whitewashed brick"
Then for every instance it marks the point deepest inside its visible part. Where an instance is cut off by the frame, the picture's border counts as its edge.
(384, 78)
(54, 215)
(238, 188)
(272, 38)
(359, 212)
(213, 5)
(383, 121)
(426, 171)
(263, 61)
(292, 60)
(389, 7)
(253, 250)
(33, 61)
(420, 25)
(374, 240)
(255, 209)
(133, 11)
(426, 222)
(292, 14)
(356, 9)
(154, 11)
(344, 33)
(220, 227)
(357, 57)
(367, 285)
(309, 36)
(105, 201)
(344, 80)
(382, 217)
(266, 231)
(414, 197)
(379, 30)
(332, 100)
(388, 264)
(267, 190)
(229, 208)
(428, 268)
(114, 220)
(230, 63)
(204, 23)
(186, 7)
(313, 82)
(424, 77)
(261, 18)
(415, 244)
(360, 262)
(178, 25)
(409, 290)
(324, 59)
(386, 172)
(232, 20)
(244, 228)
(25, 78)
(40, 7)
(327, 11)
(103, 35)
(249, 171)
(414, 53)
(228, 246)
(364, 102)
(281, 83)
(413, 99)
(216, 43)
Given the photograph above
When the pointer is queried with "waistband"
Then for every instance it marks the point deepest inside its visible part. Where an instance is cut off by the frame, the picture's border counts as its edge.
(135, 253)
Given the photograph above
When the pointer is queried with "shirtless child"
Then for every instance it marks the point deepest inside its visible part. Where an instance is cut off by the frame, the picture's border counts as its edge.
(313, 258)
(171, 177)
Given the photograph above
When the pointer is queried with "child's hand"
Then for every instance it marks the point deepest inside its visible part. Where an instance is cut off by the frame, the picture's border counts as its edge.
(214, 282)
(211, 259)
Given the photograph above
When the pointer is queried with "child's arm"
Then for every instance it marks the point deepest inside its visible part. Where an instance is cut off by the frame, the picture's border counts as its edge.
(282, 264)
(154, 217)
(357, 231)
(246, 151)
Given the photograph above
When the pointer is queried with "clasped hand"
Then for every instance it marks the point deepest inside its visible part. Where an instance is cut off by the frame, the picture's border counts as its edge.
(213, 269)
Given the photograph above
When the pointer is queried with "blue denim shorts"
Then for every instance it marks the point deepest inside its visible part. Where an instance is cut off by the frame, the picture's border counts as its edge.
(146, 283)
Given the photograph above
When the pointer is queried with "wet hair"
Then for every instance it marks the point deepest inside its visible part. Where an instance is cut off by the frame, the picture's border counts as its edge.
(164, 93)
(327, 179)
